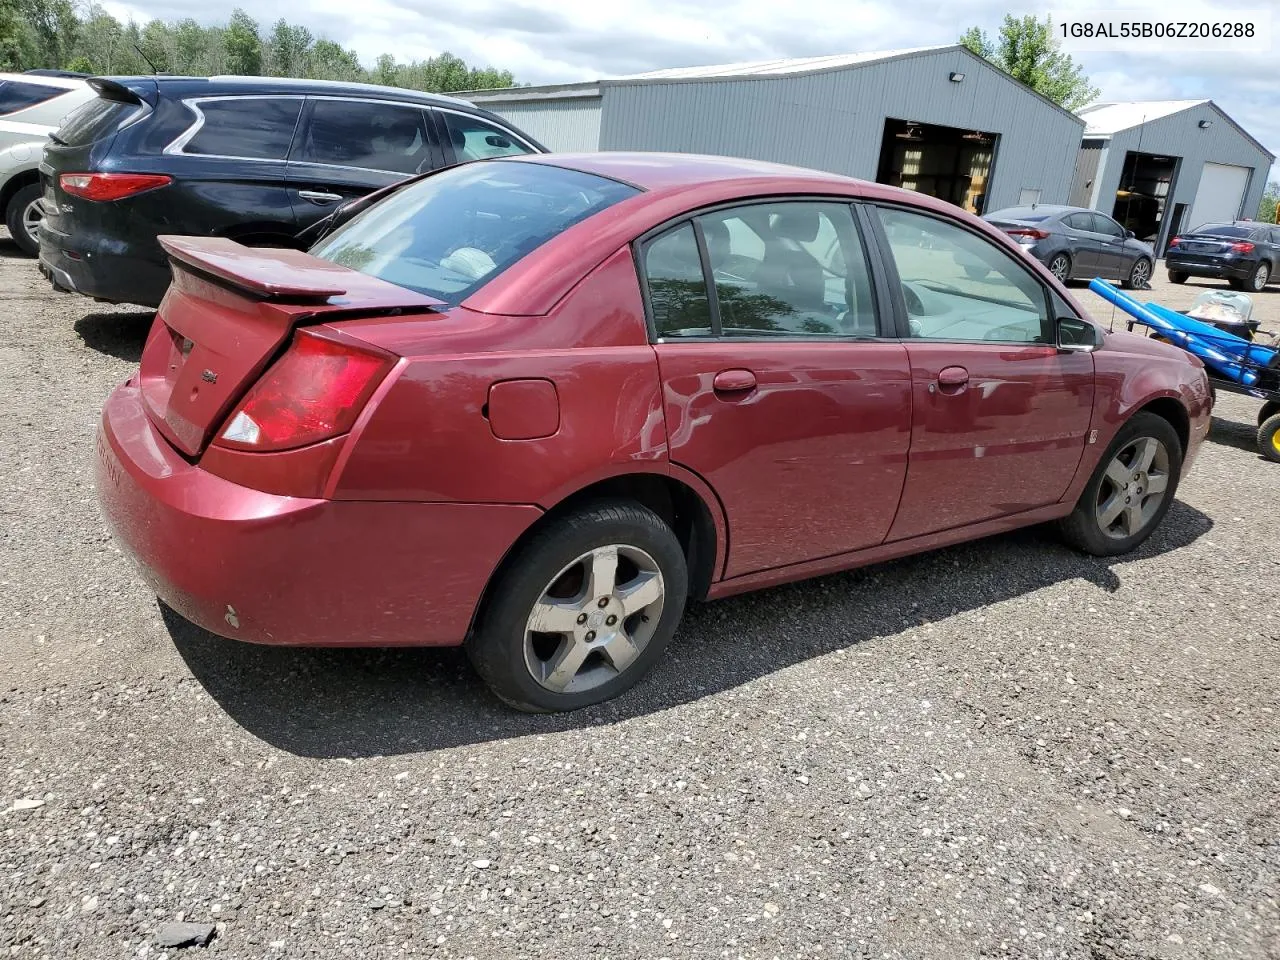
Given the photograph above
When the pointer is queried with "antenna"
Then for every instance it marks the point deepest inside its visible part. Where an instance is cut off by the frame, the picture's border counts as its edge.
(144, 57)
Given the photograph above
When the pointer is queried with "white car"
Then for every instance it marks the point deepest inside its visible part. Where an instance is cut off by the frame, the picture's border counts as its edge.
(32, 106)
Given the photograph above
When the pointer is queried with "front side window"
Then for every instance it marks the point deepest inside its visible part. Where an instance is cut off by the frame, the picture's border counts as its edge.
(960, 286)
(476, 139)
(448, 234)
(1106, 226)
(252, 128)
(16, 95)
(373, 136)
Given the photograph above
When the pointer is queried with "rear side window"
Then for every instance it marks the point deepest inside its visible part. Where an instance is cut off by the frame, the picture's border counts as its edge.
(475, 139)
(16, 95)
(375, 136)
(94, 120)
(677, 287)
(252, 128)
(447, 235)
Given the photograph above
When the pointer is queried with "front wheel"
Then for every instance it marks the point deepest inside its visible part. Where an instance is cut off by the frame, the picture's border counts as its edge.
(1138, 275)
(583, 611)
(23, 216)
(1130, 491)
(1269, 438)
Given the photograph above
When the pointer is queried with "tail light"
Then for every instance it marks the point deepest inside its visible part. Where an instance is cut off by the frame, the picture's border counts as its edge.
(111, 186)
(314, 392)
(1242, 247)
(1029, 233)
(1175, 241)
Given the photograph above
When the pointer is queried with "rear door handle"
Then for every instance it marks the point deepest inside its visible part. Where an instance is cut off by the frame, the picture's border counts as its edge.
(951, 379)
(319, 197)
(734, 381)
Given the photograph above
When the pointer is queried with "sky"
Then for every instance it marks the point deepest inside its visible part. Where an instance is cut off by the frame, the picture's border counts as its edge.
(560, 41)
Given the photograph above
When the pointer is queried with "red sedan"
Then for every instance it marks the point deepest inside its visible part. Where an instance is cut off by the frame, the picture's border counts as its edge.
(533, 405)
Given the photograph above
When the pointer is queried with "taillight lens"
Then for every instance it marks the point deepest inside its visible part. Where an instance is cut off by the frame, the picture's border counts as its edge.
(312, 393)
(111, 186)
(1243, 247)
(1175, 241)
(1028, 233)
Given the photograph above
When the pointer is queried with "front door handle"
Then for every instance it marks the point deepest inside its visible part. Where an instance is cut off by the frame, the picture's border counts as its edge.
(952, 379)
(319, 197)
(734, 381)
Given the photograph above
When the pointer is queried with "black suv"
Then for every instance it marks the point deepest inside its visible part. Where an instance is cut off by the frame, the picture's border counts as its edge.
(1245, 253)
(252, 158)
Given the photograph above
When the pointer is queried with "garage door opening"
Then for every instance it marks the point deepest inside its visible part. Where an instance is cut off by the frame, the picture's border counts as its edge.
(944, 162)
(1146, 183)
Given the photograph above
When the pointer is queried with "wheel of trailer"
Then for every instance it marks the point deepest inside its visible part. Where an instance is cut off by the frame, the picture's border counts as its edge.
(1269, 438)
(1177, 276)
(1268, 410)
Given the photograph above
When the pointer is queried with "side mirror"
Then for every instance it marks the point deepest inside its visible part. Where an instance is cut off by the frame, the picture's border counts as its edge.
(1129, 235)
(1077, 336)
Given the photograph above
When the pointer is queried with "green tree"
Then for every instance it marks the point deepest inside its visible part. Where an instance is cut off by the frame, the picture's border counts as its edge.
(10, 34)
(329, 61)
(385, 71)
(1270, 199)
(243, 45)
(1027, 50)
(287, 49)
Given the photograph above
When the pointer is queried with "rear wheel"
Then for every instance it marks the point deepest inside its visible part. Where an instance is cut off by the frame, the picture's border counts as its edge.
(22, 216)
(1261, 277)
(1269, 438)
(1177, 276)
(583, 611)
(1130, 491)
(1138, 275)
(1060, 267)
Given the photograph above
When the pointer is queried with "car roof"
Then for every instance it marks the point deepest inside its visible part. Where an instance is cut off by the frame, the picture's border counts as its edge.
(1040, 210)
(45, 80)
(661, 171)
(216, 85)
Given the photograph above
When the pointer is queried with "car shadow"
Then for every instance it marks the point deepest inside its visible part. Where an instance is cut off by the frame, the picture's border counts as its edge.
(120, 334)
(1234, 433)
(10, 250)
(329, 703)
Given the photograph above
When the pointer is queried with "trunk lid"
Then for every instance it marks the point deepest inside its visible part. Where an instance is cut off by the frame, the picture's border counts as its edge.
(228, 313)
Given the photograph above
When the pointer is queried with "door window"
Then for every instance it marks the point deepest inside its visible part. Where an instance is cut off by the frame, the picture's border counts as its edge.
(1107, 227)
(253, 128)
(16, 95)
(374, 136)
(1079, 221)
(677, 288)
(960, 286)
(475, 139)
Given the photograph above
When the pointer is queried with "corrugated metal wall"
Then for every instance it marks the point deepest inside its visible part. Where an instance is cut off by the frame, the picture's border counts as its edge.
(1180, 135)
(835, 121)
(571, 125)
(1082, 181)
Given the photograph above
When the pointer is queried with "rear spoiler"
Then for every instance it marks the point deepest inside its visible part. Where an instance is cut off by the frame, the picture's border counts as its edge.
(281, 274)
(110, 89)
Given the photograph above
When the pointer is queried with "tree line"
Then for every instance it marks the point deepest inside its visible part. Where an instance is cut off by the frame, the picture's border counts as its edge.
(54, 34)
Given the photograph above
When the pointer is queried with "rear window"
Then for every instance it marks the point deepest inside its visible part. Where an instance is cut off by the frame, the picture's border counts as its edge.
(252, 128)
(16, 95)
(449, 234)
(94, 120)
(1224, 230)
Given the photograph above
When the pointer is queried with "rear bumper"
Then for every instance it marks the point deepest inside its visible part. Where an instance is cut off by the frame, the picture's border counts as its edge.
(285, 570)
(101, 270)
(1235, 269)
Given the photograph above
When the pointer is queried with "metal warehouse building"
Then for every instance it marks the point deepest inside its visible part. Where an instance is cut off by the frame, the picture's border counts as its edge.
(1160, 166)
(939, 120)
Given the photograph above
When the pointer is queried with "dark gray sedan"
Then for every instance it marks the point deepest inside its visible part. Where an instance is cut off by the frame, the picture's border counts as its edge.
(1077, 243)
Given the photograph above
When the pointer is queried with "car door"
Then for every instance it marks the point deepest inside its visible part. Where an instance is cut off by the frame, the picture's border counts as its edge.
(347, 147)
(1083, 244)
(779, 388)
(465, 137)
(1114, 260)
(233, 169)
(999, 414)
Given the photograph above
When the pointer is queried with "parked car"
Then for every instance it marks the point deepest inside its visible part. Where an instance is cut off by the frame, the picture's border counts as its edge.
(1078, 243)
(532, 405)
(32, 106)
(1246, 254)
(250, 158)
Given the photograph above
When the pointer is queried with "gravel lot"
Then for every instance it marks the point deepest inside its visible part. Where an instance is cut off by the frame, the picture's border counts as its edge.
(1003, 749)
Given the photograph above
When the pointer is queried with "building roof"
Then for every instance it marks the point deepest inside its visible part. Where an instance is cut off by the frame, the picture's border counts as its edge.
(774, 68)
(1104, 119)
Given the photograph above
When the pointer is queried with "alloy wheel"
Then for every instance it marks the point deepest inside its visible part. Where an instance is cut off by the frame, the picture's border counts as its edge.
(1060, 267)
(1133, 488)
(594, 619)
(1261, 277)
(1140, 275)
(32, 214)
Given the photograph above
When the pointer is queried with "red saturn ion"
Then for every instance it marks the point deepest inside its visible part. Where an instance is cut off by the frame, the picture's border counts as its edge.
(533, 405)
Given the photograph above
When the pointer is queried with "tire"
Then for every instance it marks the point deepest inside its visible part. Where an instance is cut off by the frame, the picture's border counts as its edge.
(1261, 277)
(1060, 266)
(1177, 276)
(1235, 284)
(549, 571)
(1269, 438)
(1268, 410)
(17, 219)
(1139, 274)
(1086, 528)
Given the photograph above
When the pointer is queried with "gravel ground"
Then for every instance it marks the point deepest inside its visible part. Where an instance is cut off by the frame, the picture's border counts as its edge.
(1003, 749)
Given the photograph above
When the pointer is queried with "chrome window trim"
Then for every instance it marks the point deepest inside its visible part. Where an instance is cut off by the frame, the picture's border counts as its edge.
(177, 147)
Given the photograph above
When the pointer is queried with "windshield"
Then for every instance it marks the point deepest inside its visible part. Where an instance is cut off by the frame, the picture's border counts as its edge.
(449, 234)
